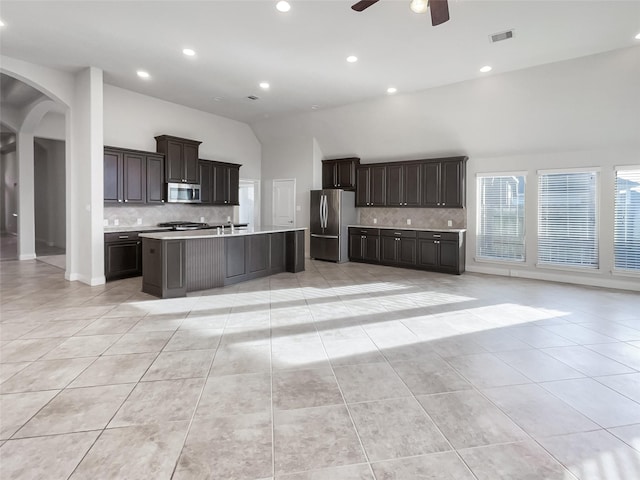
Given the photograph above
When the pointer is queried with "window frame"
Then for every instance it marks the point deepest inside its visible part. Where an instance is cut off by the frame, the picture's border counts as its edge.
(597, 224)
(617, 270)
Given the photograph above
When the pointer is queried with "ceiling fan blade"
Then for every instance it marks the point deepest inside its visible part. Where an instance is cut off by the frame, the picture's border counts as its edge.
(439, 11)
(360, 6)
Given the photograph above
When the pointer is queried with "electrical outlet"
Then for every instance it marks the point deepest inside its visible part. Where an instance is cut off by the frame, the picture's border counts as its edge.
(449, 223)
(408, 221)
(116, 222)
(375, 220)
(139, 221)
(228, 218)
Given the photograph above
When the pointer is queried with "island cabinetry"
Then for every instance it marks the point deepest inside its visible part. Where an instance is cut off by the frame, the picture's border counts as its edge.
(181, 158)
(339, 173)
(173, 266)
(364, 245)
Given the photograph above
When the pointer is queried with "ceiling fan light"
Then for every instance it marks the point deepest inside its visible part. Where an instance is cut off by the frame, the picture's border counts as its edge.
(419, 6)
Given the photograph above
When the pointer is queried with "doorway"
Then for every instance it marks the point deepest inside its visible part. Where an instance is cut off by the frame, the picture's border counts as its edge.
(9, 194)
(284, 203)
(249, 198)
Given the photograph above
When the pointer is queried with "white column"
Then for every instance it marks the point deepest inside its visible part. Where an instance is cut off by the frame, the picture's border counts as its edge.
(85, 238)
(26, 209)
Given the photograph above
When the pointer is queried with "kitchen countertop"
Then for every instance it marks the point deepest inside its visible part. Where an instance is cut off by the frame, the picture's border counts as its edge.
(145, 228)
(188, 234)
(136, 228)
(417, 229)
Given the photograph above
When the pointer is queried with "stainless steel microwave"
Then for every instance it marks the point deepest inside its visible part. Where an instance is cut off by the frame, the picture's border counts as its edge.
(183, 193)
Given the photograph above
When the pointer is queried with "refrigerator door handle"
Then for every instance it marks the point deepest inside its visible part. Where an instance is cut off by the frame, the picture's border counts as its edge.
(323, 236)
(320, 212)
(324, 211)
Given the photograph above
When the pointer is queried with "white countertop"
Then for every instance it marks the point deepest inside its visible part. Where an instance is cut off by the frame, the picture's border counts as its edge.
(188, 234)
(417, 229)
(136, 228)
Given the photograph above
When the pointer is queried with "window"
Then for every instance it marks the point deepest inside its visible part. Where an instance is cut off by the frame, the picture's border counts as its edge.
(627, 220)
(567, 219)
(500, 231)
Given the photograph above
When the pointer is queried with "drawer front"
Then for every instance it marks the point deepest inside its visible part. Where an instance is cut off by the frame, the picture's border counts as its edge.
(439, 236)
(364, 231)
(388, 232)
(120, 236)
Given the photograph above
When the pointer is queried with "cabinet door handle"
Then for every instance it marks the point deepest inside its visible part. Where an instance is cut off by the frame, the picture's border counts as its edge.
(161, 201)
(437, 236)
(126, 200)
(123, 237)
(138, 243)
(120, 201)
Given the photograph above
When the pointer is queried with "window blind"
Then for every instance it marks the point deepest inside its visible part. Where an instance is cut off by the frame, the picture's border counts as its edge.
(627, 220)
(567, 219)
(500, 229)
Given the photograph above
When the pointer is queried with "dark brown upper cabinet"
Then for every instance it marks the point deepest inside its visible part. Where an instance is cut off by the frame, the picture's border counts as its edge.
(181, 159)
(371, 186)
(219, 182)
(403, 185)
(132, 176)
(444, 183)
(340, 173)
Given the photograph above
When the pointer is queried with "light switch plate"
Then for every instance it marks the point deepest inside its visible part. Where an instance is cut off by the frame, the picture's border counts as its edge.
(105, 222)
(408, 221)
(298, 208)
(116, 222)
(139, 221)
(375, 220)
(449, 223)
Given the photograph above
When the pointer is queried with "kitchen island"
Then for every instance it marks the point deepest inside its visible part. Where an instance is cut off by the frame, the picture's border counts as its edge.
(174, 263)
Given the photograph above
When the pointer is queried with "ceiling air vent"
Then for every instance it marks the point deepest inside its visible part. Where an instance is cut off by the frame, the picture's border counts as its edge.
(253, 97)
(498, 37)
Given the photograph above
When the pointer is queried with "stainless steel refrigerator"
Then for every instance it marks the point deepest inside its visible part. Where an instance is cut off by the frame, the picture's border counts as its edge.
(331, 213)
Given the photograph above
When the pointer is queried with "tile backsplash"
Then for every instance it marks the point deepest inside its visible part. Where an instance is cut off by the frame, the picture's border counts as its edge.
(151, 215)
(420, 217)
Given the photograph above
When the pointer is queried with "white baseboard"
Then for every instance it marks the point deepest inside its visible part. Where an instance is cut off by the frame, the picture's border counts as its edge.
(27, 256)
(551, 276)
(91, 281)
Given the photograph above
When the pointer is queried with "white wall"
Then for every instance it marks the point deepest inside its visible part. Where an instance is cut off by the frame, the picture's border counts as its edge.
(133, 120)
(51, 126)
(528, 119)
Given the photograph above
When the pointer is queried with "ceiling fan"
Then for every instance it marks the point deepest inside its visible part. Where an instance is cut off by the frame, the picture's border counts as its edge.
(439, 8)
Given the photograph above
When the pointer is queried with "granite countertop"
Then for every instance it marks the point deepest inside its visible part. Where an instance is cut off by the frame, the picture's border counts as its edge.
(409, 227)
(212, 233)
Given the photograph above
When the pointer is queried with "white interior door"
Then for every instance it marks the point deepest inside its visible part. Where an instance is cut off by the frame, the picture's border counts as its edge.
(284, 202)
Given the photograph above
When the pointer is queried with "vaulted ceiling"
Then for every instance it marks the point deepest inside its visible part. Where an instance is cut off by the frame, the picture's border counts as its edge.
(302, 53)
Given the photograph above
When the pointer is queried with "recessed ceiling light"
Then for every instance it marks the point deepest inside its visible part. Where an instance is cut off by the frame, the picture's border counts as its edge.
(486, 69)
(391, 90)
(264, 85)
(315, 107)
(217, 99)
(188, 52)
(283, 6)
(637, 36)
(352, 59)
(143, 74)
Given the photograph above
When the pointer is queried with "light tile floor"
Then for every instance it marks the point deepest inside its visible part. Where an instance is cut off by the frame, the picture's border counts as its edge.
(340, 372)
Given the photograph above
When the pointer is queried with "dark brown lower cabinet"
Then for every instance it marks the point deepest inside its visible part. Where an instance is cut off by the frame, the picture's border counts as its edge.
(426, 250)
(398, 247)
(122, 255)
(441, 251)
(364, 245)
